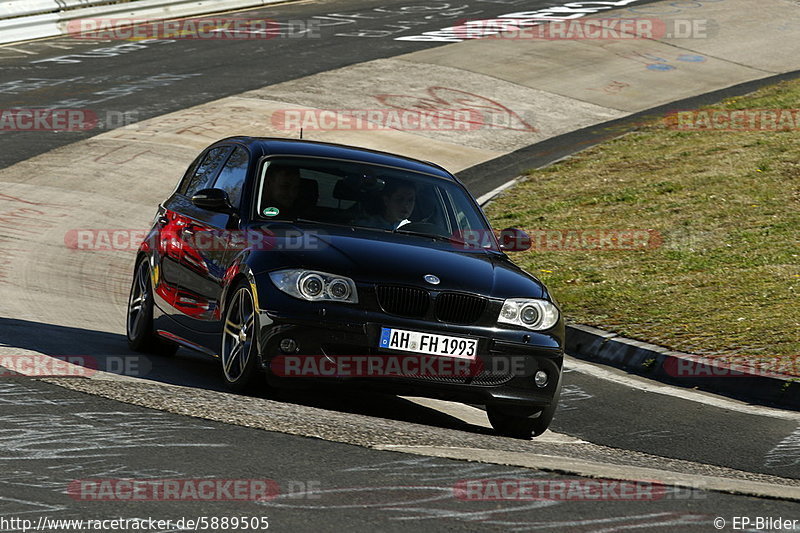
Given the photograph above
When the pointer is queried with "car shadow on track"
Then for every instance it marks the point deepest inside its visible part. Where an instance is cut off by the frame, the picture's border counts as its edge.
(98, 350)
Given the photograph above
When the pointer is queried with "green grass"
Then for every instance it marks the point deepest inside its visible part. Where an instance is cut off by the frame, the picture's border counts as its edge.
(725, 281)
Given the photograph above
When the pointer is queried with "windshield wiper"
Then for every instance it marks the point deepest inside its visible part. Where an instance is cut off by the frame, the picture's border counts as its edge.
(309, 221)
(434, 236)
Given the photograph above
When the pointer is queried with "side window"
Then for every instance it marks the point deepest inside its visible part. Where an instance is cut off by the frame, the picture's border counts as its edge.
(207, 170)
(465, 216)
(189, 174)
(231, 177)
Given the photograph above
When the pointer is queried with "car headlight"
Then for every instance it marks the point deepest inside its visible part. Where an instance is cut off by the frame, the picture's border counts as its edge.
(529, 313)
(315, 286)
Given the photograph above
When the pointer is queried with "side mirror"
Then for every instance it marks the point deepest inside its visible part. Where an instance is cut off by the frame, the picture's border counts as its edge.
(213, 200)
(514, 240)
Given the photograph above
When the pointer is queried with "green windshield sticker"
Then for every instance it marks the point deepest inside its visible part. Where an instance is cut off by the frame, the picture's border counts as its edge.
(271, 211)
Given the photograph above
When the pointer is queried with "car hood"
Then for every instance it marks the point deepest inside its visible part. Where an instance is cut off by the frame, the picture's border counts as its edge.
(395, 258)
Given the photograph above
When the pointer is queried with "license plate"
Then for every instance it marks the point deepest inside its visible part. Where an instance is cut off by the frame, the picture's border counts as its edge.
(428, 343)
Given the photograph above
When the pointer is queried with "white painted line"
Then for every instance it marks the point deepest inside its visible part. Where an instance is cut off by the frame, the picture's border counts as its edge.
(786, 453)
(483, 199)
(643, 384)
(465, 413)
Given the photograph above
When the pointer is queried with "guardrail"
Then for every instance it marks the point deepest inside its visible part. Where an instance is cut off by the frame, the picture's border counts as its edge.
(27, 8)
(24, 20)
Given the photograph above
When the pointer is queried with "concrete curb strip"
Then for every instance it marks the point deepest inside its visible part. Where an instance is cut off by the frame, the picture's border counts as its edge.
(591, 469)
(662, 364)
(52, 24)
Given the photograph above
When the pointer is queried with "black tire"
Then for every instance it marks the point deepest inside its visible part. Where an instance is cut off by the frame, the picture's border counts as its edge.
(512, 424)
(139, 322)
(239, 349)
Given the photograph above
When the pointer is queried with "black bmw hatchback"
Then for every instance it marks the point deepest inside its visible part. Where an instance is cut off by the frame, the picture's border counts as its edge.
(303, 261)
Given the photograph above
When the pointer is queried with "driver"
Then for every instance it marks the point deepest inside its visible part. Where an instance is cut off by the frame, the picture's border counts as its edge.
(397, 203)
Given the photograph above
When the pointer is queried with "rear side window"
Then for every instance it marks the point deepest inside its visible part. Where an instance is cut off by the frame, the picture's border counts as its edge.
(206, 170)
(231, 177)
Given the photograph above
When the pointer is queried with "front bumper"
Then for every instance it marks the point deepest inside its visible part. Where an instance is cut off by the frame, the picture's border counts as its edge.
(509, 358)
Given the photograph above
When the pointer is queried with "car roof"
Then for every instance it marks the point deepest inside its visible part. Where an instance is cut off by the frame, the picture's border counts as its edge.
(296, 147)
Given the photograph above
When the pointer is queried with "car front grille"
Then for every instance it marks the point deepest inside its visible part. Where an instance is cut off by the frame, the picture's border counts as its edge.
(482, 378)
(403, 301)
(457, 308)
(492, 378)
(449, 307)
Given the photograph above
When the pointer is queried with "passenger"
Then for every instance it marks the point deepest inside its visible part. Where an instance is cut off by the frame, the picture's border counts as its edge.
(281, 191)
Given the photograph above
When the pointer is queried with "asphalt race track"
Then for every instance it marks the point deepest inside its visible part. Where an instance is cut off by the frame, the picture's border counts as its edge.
(361, 460)
(189, 72)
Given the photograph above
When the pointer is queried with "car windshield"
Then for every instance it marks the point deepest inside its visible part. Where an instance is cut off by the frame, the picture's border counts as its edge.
(329, 191)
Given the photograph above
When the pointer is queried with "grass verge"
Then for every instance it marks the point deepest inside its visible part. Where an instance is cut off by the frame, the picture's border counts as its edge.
(725, 279)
